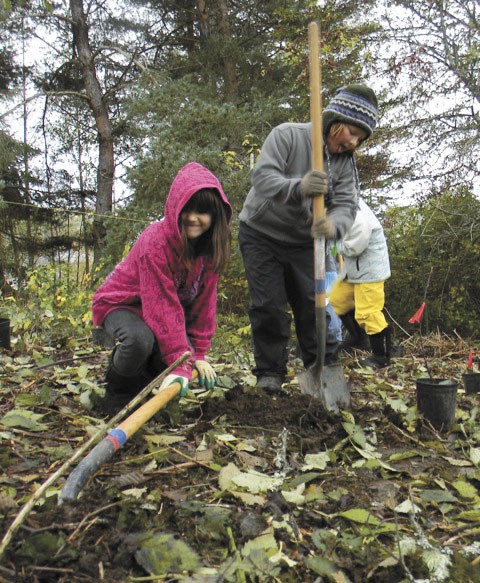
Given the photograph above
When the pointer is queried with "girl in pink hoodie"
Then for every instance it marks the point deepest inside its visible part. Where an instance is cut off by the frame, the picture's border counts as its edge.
(160, 301)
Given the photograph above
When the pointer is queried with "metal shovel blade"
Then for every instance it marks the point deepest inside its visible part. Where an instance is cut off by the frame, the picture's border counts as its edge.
(329, 384)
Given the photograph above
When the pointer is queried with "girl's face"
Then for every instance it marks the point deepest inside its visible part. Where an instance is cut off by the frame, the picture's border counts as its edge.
(195, 223)
(345, 140)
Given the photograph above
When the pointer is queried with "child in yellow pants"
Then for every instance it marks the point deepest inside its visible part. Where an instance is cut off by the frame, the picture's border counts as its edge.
(358, 296)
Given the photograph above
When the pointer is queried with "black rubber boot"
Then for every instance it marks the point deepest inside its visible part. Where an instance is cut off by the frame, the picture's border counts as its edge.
(120, 389)
(270, 383)
(380, 344)
(356, 336)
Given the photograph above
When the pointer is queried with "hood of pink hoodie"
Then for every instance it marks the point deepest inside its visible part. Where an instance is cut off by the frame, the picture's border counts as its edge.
(189, 180)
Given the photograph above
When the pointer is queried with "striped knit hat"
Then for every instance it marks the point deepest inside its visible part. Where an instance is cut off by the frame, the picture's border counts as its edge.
(353, 104)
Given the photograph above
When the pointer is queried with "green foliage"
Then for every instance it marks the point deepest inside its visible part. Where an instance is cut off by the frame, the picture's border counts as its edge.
(52, 308)
(233, 296)
(435, 253)
(183, 111)
(189, 123)
(161, 554)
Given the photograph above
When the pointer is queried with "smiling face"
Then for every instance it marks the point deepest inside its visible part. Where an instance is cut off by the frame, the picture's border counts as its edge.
(195, 223)
(344, 138)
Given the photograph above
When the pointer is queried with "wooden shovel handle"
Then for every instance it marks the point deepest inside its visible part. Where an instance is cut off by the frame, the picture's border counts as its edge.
(316, 110)
(317, 164)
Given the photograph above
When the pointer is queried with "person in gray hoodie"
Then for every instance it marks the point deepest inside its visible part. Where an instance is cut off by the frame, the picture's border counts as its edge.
(358, 295)
(275, 227)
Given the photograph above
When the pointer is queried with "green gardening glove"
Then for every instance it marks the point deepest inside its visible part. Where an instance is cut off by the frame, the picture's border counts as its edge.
(207, 377)
(174, 378)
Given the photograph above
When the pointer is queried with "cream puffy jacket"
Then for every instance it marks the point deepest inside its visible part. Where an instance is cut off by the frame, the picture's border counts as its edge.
(364, 249)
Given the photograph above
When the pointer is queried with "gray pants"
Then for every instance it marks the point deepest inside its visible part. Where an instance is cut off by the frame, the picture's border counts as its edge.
(137, 350)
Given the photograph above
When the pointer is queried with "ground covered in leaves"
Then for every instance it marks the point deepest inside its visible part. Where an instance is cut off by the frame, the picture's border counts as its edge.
(235, 485)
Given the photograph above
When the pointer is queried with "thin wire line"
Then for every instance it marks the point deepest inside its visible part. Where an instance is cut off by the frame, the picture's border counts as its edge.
(85, 213)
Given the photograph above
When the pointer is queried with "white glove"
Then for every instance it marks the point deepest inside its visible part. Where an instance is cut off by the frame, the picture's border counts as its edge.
(207, 377)
(174, 378)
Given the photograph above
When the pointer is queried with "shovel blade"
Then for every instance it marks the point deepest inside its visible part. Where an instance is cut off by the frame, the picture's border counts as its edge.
(328, 384)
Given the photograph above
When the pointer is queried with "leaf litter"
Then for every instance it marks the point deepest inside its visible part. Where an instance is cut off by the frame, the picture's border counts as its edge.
(236, 485)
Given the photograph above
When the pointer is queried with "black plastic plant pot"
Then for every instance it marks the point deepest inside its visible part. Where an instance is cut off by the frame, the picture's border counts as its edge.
(5, 333)
(471, 382)
(437, 400)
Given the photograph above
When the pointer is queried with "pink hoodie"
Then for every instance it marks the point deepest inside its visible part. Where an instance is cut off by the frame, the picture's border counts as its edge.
(174, 302)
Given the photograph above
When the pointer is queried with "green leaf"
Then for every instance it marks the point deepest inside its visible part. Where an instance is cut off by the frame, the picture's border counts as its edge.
(255, 482)
(457, 462)
(40, 548)
(475, 455)
(226, 475)
(360, 515)
(337, 493)
(437, 496)
(263, 561)
(45, 395)
(24, 419)
(465, 489)
(405, 455)
(83, 370)
(295, 496)
(225, 382)
(316, 461)
(213, 522)
(356, 434)
(303, 479)
(162, 554)
(266, 541)
(25, 400)
(398, 405)
(323, 567)
(225, 437)
(407, 507)
(136, 493)
(163, 439)
(469, 516)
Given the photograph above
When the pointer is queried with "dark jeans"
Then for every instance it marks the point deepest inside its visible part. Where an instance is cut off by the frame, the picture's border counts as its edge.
(137, 351)
(280, 274)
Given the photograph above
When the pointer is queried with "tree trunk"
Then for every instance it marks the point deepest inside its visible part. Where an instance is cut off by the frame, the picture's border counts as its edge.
(223, 26)
(106, 166)
(231, 81)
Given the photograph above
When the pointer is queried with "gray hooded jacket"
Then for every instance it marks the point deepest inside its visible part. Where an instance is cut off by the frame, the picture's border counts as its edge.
(274, 205)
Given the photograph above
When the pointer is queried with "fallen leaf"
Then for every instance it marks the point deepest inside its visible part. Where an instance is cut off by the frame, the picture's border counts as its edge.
(407, 507)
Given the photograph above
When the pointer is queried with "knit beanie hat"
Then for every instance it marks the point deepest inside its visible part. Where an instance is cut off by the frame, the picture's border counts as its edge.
(353, 104)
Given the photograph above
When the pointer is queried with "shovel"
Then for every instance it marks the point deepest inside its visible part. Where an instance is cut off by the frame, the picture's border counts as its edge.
(325, 382)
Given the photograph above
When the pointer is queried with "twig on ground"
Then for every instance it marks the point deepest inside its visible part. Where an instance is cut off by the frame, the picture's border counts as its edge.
(187, 457)
(72, 359)
(91, 515)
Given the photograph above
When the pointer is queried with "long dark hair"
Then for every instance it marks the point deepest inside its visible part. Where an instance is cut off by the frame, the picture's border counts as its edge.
(214, 243)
